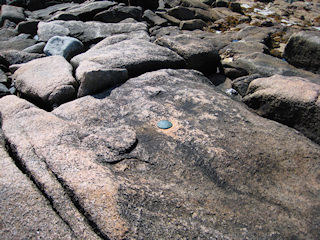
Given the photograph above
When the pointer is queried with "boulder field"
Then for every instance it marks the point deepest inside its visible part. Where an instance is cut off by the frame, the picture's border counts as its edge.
(170, 119)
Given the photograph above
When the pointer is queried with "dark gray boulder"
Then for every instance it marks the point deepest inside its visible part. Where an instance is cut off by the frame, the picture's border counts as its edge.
(3, 77)
(199, 53)
(241, 84)
(267, 66)
(118, 13)
(17, 57)
(292, 101)
(68, 47)
(255, 33)
(36, 48)
(47, 82)
(7, 34)
(214, 174)
(172, 20)
(153, 19)
(145, 4)
(28, 27)
(19, 42)
(221, 3)
(64, 16)
(3, 90)
(239, 48)
(12, 13)
(303, 50)
(189, 13)
(181, 13)
(47, 13)
(192, 24)
(87, 10)
(157, 32)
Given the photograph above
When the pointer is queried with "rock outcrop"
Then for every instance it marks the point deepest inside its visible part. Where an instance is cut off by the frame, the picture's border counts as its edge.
(303, 50)
(46, 81)
(198, 178)
(289, 100)
(170, 119)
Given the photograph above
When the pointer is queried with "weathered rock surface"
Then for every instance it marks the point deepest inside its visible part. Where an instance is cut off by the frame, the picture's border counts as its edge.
(68, 47)
(303, 50)
(241, 84)
(19, 43)
(12, 13)
(240, 48)
(3, 90)
(196, 179)
(87, 10)
(25, 213)
(36, 48)
(220, 171)
(146, 4)
(47, 13)
(153, 19)
(267, 66)
(290, 100)
(47, 81)
(87, 32)
(95, 78)
(192, 24)
(119, 13)
(16, 57)
(199, 53)
(136, 55)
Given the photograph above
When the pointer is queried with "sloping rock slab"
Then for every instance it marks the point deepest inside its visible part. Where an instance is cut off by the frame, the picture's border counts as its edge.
(25, 212)
(46, 13)
(47, 81)
(87, 31)
(199, 54)
(219, 172)
(87, 10)
(292, 101)
(267, 66)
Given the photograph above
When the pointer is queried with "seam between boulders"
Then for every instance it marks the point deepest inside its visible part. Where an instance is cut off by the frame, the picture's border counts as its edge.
(21, 166)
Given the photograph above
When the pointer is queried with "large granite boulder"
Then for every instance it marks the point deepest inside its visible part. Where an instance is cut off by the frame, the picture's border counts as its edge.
(292, 101)
(135, 56)
(303, 50)
(267, 66)
(88, 32)
(214, 174)
(47, 81)
(200, 54)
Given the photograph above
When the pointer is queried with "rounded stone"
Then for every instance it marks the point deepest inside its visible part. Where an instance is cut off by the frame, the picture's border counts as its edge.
(164, 124)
